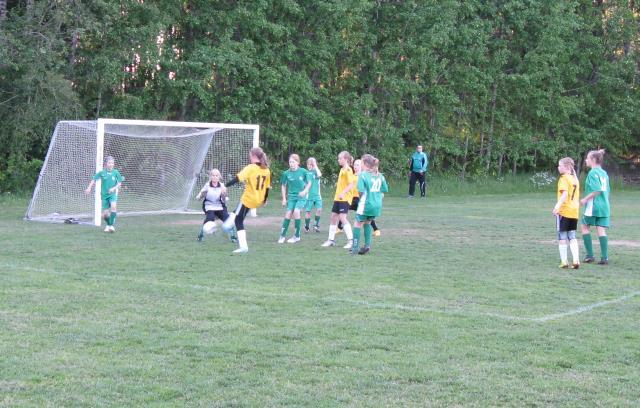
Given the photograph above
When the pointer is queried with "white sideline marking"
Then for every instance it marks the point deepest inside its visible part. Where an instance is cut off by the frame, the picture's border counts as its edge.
(461, 312)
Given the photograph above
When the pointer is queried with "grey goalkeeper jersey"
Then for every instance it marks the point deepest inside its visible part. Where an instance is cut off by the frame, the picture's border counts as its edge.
(213, 200)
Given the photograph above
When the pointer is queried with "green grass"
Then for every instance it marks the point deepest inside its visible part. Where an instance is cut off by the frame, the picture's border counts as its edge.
(459, 303)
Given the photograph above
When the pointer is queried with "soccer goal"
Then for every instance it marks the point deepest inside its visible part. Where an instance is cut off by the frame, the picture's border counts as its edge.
(164, 165)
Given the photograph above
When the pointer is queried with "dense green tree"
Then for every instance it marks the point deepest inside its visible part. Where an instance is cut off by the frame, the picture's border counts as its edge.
(488, 86)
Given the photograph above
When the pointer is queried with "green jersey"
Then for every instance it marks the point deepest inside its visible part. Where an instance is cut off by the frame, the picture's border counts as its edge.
(314, 191)
(109, 180)
(295, 180)
(598, 206)
(371, 188)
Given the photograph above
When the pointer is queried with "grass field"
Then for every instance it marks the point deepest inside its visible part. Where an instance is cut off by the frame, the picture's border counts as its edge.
(459, 303)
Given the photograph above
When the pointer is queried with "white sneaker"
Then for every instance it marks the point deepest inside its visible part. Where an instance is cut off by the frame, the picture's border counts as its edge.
(349, 245)
(241, 250)
(112, 229)
(328, 243)
(293, 239)
(107, 229)
(281, 240)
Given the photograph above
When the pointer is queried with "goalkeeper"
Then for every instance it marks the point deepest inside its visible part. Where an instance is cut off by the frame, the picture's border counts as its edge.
(214, 203)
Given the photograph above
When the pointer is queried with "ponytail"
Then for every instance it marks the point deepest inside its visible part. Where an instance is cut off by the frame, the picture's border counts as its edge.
(259, 154)
(597, 156)
(568, 162)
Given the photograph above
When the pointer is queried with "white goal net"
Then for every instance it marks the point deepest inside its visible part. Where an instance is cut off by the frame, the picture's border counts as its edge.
(164, 165)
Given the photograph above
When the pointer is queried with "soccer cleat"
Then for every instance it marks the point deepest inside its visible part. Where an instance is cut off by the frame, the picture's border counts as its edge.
(307, 229)
(241, 250)
(107, 229)
(293, 239)
(281, 240)
(234, 239)
(603, 262)
(316, 228)
(589, 259)
(112, 229)
(364, 250)
(409, 196)
(376, 233)
(200, 237)
(575, 266)
(328, 243)
(564, 266)
(229, 223)
(349, 244)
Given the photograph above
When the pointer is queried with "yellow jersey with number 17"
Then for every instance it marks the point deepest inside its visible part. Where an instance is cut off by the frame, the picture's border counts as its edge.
(256, 182)
(571, 206)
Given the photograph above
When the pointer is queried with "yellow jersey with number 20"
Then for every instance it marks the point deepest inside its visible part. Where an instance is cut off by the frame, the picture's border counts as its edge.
(256, 182)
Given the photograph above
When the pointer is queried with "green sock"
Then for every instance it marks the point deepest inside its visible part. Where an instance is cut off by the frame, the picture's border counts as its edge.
(297, 223)
(317, 220)
(112, 218)
(588, 244)
(307, 221)
(356, 239)
(285, 227)
(604, 246)
(367, 234)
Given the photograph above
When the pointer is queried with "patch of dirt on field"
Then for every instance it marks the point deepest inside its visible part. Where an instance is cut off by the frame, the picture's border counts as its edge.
(257, 221)
(619, 242)
(426, 234)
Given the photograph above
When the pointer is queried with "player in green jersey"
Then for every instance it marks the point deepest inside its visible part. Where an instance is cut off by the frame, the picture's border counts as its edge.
(315, 198)
(372, 186)
(596, 207)
(111, 180)
(295, 184)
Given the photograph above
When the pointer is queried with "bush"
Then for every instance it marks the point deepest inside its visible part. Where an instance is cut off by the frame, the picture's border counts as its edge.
(20, 175)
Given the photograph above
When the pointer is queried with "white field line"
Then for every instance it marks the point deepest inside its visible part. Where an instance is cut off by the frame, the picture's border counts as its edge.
(375, 305)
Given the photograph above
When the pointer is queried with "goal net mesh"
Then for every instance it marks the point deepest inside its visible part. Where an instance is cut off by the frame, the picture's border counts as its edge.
(164, 167)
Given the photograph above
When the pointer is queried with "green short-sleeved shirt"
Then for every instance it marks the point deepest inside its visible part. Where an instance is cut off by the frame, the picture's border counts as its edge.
(295, 181)
(314, 191)
(598, 206)
(109, 180)
(371, 188)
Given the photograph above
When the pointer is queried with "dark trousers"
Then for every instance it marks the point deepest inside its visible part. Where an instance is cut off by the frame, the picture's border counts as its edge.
(416, 176)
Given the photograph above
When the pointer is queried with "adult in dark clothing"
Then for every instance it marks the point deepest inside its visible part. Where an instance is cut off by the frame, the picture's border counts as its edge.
(418, 167)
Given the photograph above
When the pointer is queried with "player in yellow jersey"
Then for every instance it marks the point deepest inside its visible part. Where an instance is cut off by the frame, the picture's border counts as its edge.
(342, 200)
(566, 211)
(257, 182)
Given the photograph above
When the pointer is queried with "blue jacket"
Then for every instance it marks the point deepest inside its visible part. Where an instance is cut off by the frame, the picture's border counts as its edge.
(419, 162)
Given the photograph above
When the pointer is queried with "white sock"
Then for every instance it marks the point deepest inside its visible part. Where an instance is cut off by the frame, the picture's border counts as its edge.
(563, 253)
(242, 239)
(346, 227)
(332, 232)
(573, 245)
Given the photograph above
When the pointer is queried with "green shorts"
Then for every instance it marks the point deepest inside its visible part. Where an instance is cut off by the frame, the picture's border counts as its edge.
(108, 200)
(314, 202)
(296, 203)
(364, 218)
(597, 221)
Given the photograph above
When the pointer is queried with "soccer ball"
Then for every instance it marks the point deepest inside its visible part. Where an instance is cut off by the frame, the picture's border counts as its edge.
(229, 223)
(209, 227)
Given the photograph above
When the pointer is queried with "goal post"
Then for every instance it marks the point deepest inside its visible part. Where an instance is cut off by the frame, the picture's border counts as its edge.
(164, 164)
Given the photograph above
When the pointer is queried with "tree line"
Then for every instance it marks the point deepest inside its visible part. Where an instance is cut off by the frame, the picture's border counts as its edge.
(488, 87)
